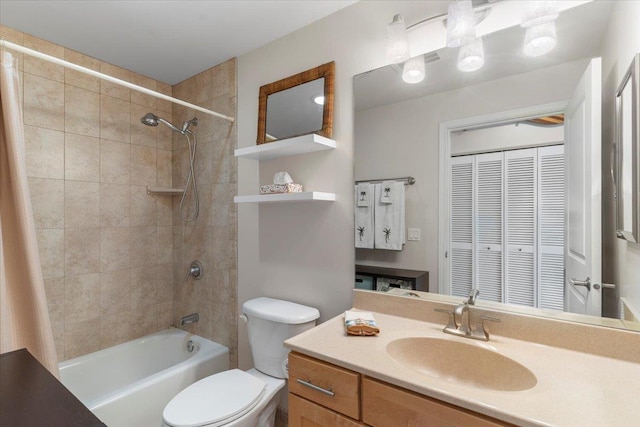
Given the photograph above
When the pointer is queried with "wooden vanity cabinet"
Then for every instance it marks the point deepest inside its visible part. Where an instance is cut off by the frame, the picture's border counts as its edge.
(362, 401)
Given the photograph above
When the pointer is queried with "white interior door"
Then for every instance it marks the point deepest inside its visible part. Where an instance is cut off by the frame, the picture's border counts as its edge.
(583, 253)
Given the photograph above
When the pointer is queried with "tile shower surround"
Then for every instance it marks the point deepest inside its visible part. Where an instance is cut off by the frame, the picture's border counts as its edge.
(113, 257)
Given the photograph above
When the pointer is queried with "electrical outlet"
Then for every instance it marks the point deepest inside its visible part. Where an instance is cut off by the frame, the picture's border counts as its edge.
(413, 234)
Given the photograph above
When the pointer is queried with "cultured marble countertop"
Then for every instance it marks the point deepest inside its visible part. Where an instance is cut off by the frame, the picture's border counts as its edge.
(572, 389)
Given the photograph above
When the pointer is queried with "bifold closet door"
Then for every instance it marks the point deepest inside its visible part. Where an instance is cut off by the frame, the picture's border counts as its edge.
(520, 226)
(461, 226)
(488, 190)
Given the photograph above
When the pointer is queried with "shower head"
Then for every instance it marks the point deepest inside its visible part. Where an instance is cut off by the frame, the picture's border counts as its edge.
(151, 119)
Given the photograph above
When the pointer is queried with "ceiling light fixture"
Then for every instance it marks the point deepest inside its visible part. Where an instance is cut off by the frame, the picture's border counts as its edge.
(319, 99)
(397, 41)
(540, 39)
(461, 28)
(471, 56)
(539, 12)
(413, 70)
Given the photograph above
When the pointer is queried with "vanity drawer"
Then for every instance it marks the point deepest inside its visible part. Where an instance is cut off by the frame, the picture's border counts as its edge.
(306, 375)
(308, 414)
(384, 405)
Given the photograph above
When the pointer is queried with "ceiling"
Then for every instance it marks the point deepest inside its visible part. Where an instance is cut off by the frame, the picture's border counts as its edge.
(167, 40)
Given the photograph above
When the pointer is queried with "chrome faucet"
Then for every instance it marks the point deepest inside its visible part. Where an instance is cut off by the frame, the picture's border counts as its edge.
(189, 318)
(460, 320)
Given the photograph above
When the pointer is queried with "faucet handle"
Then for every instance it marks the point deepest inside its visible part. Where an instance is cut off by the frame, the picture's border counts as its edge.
(473, 295)
(480, 329)
(452, 320)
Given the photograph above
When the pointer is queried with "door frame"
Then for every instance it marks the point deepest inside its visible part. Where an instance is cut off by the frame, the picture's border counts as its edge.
(444, 170)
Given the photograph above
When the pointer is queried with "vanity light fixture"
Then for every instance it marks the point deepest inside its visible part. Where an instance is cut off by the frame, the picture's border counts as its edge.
(461, 26)
(540, 39)
(319, 99)
(539, 12)
(471, 56)
(413, 70)
(397, 41)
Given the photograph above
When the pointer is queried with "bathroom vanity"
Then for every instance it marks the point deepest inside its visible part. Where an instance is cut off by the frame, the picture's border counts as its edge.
(532, 371)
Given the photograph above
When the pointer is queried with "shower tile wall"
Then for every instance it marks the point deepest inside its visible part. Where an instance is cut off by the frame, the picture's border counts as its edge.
(212, 237)
(106, 246)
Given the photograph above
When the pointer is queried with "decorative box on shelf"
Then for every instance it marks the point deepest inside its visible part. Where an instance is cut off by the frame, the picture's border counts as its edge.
(280, 188)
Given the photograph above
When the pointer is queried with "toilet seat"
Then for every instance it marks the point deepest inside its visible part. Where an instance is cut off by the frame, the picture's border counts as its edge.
(215, 400)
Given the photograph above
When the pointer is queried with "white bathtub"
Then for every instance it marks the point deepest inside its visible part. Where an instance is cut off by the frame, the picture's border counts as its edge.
(128, 385)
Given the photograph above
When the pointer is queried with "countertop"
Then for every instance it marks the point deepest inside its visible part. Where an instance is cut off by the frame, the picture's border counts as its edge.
(572, 389)
(31, 396)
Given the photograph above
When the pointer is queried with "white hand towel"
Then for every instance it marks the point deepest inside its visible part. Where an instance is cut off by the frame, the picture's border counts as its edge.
(364, 195)
(386, 195)
(364, 219)
(389, 221)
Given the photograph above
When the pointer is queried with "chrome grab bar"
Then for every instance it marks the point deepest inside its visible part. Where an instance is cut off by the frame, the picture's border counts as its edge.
(328, 392)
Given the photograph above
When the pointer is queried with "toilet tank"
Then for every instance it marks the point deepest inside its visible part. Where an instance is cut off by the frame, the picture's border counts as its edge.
(269, 323)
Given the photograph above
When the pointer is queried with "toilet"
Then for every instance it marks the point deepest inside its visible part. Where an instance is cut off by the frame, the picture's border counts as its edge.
(236, 398)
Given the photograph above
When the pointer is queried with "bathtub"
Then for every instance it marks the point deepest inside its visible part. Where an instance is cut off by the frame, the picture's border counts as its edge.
(128, 385)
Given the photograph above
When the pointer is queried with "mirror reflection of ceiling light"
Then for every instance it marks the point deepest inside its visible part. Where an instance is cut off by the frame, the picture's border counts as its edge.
(413, 70)
(397, 41)
(540, 39)
(471, 56)
(461, 27)
(539, 12)
(319, 99)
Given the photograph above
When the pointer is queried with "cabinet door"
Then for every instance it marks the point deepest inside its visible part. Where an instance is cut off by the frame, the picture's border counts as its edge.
(384, 405)
(303, 413)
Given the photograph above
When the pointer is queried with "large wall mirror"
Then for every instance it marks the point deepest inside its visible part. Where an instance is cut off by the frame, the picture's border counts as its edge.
(628, 160)
(508, 120)
(297, 105)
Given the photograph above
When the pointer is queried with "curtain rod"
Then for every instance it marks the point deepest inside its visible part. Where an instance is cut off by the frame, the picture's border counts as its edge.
(408, 180)
(67, 64)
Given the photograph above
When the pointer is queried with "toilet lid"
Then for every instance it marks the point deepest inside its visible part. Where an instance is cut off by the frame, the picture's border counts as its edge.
(214, 400)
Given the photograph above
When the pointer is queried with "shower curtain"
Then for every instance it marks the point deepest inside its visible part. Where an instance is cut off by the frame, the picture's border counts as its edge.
(24, 317)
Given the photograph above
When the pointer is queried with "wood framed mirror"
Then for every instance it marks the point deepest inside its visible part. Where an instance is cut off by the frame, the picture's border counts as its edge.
(628, 154)
(297, 105)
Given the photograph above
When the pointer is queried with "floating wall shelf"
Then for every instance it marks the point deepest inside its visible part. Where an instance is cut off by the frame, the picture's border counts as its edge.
(287, 147)
(306, 196)
(164, 191)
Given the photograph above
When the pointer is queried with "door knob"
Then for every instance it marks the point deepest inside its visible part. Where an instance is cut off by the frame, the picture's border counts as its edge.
(586, 283)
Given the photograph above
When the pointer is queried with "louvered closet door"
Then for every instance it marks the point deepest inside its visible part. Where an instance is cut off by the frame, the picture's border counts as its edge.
(461, 226)
(488, 237)
(551, 200)
(520, 227)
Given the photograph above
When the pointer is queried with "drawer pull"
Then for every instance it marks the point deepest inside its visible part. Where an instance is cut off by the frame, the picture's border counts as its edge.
(316, 388)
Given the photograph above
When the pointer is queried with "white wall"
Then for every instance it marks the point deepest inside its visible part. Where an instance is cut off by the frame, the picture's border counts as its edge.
(498, 138)
(621, 259)
(386, 135)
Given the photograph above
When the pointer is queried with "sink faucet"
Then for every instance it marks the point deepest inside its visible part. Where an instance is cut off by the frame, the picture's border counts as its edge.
(460, 320)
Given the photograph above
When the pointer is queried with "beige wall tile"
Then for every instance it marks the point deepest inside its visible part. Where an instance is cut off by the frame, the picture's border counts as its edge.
(81, 111)
(139, 97)
(115, 205)
(39, 67)
(113, 330)
(164, 282)
(161, 104)
(144, 246)
(115, 116)
(165, 245)
(220, 207)
(143, 165)
(82, 297)
(81, 251)
(78, 79)
(143, 288)
(115, 245)
(47, 201)
(43, 102)
(140, 133)
(51, 248)
(113, 89)
(115, 162)
(115, 292)
(81, 204)
(163, 168)
(220, 247)
(44, 152)
(81, 158)
(145, 321)
(143, 207)
(165, 136)
(165, 315)
(165, 210)
(17, 37)
(54, 289)
(81, 338)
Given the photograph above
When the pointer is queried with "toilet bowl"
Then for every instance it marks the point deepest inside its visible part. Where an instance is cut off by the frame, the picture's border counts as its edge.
(238, 398)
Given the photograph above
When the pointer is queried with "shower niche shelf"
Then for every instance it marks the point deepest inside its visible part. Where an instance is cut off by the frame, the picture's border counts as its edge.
(287, 147)
(164, 191)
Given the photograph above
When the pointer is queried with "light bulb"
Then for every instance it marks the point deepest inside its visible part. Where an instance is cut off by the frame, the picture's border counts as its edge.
(540, 39)
(397, 41)
(461, 27)
(471, 56)
(540, 12)
(319, 99)
(413, 70)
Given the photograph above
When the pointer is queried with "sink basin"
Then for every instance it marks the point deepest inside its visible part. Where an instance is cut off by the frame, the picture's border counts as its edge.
(461, 363)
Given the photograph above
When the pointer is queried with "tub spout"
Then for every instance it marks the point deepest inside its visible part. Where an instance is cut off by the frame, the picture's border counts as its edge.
(189, 318)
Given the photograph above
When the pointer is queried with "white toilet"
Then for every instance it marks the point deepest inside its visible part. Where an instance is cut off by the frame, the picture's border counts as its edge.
(237, 398)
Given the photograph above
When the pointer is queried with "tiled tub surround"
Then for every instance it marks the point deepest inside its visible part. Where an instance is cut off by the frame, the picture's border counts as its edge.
(106, 247)
(586, 375)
